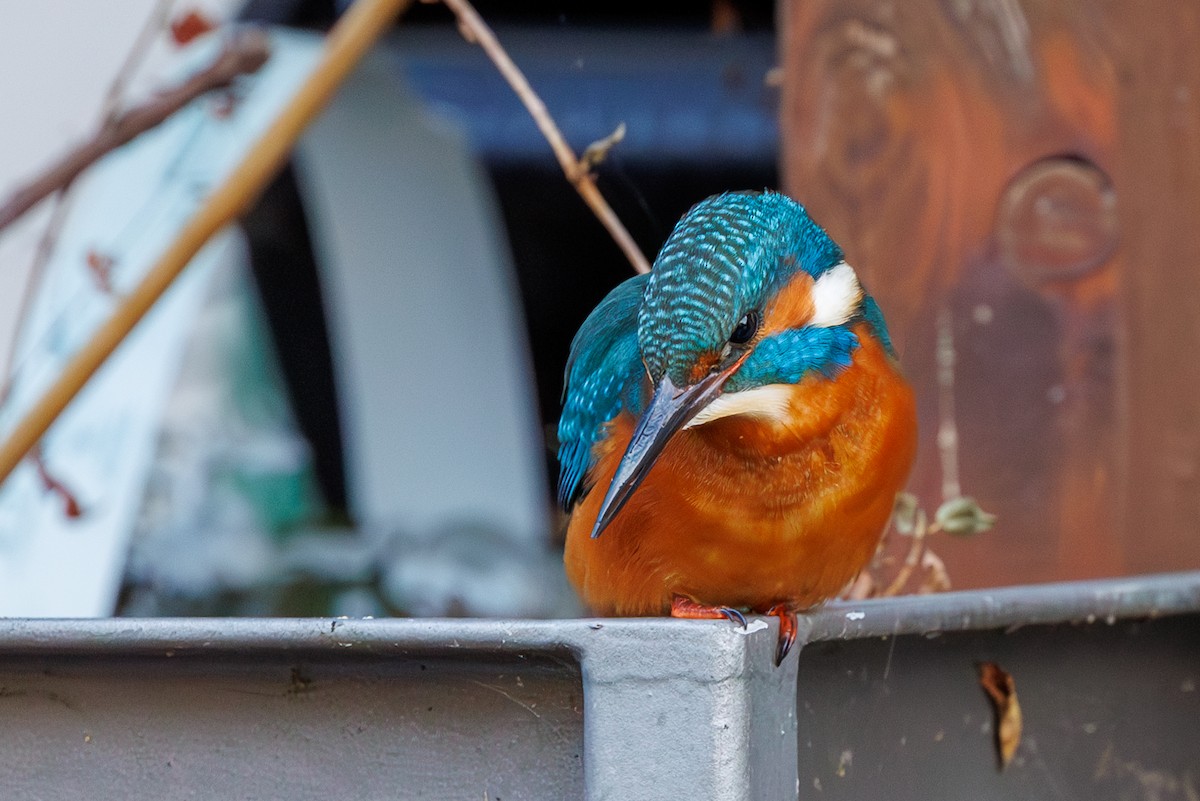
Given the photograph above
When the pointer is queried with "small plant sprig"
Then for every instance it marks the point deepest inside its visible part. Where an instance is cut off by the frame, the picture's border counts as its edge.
(958, 517)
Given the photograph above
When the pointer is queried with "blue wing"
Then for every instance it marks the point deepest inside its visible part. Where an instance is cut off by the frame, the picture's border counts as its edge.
(604, 375)
(874, 317)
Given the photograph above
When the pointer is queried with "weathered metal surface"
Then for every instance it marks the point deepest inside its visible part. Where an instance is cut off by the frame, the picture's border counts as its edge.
(393, 709)
(613, 709)
(1107, 673)
(120, 727)
(1109, 711)
(1023, 174)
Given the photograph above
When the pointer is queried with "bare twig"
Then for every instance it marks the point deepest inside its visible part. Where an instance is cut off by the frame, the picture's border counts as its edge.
(150, 31)
(860, 587)
(937, 578)
(475, 30)
(243, 53)
(45, 247)
(357, 29)
(62, 200)
(915, 547)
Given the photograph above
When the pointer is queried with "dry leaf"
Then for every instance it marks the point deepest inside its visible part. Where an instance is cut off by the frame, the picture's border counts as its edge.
(100, 267)
(1002, 690)
(963, 517)
(904, 513)
(186, 27)
(52, 485)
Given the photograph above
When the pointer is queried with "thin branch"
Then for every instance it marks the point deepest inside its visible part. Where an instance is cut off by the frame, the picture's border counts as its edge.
(61, 206)
(916, 549)
(155, 22)
(244, 52)
(937, 578)
(62, 197)
(475, 30)
(353, 34)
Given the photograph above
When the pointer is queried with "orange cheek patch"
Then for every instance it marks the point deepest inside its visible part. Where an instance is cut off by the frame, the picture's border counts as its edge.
(703, 366)
(792, 306)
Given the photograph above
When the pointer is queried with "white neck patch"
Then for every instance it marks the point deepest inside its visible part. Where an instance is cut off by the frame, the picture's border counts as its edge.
(836, 295)
(770, 401)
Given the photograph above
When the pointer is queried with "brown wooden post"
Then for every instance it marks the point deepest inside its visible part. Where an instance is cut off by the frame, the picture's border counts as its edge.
(1028, 174)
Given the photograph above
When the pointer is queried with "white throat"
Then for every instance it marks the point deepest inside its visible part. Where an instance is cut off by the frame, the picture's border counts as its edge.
(770, 402)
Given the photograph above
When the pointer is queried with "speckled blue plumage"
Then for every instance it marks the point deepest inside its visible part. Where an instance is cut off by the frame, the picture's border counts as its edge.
(725, 258)
(788, 357)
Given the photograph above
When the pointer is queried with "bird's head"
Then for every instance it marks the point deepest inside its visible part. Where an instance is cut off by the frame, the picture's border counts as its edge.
(747, 294)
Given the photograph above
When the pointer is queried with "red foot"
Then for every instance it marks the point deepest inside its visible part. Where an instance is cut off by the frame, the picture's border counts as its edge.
(686, 608)
(787, 630)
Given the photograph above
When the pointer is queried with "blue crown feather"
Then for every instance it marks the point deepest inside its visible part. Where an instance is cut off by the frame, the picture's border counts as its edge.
(725, 257)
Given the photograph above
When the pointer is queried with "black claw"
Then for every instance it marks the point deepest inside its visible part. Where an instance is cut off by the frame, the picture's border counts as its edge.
(733, 615)
(787, 631)
(782, 648)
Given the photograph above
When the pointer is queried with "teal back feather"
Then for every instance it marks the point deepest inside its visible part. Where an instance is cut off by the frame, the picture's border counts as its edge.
(603, 375)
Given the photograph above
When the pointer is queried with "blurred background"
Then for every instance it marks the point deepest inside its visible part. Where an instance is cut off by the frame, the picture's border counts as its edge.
(348, 404)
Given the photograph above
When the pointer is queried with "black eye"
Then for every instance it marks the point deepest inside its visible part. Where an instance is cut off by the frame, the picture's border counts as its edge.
(746, 328)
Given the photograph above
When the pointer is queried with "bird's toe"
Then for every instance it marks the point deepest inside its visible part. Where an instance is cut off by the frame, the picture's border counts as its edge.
(787, 630)
(685, 608)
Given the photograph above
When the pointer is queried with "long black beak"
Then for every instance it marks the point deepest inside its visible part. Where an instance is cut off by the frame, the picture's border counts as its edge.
(669, 409)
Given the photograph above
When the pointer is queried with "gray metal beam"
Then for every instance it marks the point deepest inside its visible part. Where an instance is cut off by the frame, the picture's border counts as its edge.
(611, 709)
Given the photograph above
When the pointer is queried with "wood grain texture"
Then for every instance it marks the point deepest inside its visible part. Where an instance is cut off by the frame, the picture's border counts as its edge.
(1029, 172)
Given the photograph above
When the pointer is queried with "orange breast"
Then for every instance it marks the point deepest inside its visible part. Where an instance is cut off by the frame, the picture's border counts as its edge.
(749, 512)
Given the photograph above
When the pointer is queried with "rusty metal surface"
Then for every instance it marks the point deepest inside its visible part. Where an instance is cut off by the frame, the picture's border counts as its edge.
(1021, 176)
(611, 709)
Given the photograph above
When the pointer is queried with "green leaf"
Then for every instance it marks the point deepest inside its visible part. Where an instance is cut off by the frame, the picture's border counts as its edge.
(963, 517)
(904, 513)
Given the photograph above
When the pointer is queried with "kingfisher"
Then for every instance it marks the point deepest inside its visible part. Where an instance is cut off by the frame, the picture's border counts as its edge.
(735, 425)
